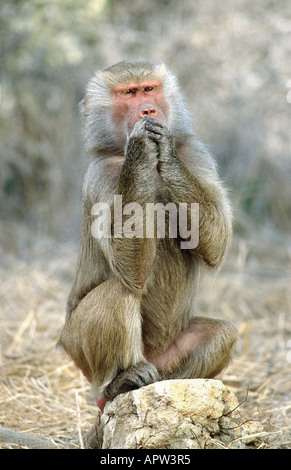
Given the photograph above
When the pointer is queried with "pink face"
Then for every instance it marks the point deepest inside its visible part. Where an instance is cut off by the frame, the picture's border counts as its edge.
(135, 101)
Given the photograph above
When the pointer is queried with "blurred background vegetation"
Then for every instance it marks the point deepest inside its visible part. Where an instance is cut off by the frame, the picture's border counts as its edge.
(233, 62)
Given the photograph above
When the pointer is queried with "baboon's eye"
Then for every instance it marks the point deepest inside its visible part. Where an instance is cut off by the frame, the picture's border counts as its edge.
(148, 88)
(128, 91)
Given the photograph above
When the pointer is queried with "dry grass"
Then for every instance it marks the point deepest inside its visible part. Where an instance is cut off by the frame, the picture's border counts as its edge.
(42, 393)
(40, 389)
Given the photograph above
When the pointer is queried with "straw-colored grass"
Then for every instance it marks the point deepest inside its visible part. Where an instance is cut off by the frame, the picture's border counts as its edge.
(43, 394)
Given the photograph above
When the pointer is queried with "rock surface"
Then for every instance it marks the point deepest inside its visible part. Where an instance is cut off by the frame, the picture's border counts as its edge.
(177, 414)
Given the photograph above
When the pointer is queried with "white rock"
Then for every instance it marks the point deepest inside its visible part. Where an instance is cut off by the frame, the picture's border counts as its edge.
(177, 414)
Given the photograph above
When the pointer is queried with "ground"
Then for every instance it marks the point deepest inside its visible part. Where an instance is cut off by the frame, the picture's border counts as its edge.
(41, 391)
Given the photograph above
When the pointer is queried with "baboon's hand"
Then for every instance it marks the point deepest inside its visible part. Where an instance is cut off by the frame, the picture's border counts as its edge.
(160, 134)
(139, 146)
(134, 377)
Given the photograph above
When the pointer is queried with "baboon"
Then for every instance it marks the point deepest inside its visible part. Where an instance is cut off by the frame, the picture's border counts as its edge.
(131, 315)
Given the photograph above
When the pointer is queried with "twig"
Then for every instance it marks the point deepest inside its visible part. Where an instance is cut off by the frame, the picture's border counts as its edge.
(25, 440)
(20, 332)
(271, 360)
(79, 420)
(253, 436)
(241, 403)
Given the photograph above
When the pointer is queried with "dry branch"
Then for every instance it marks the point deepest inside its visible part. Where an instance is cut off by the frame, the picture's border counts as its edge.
(89, 441)
(24, 440)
